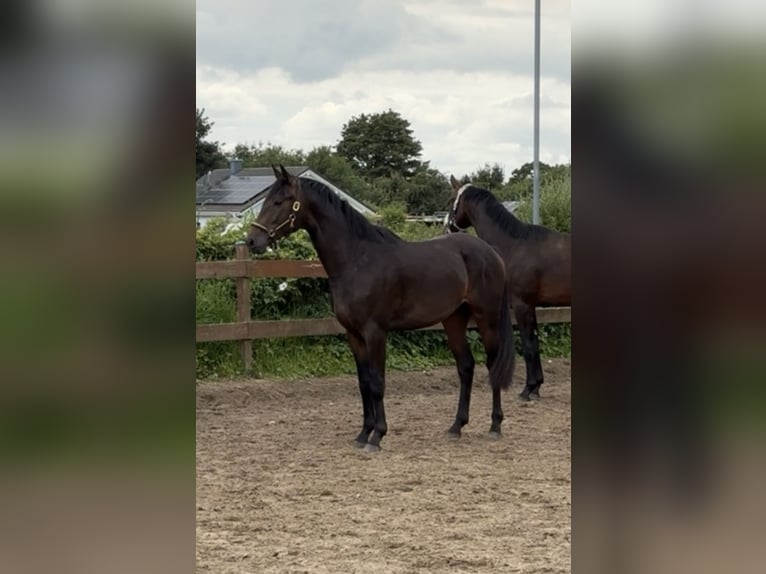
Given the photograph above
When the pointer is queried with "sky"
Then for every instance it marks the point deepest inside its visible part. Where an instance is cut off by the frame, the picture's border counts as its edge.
(461, 71)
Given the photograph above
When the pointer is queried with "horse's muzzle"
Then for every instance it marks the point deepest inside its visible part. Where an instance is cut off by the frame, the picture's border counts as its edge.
(258, 243)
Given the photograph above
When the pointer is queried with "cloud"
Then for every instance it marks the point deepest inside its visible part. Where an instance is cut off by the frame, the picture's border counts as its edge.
(459, 71)
(313, 43)
(310, 40)
(480, 36)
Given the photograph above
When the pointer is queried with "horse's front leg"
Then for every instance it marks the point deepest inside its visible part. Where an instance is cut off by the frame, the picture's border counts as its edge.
(359, 350)
(375, 341)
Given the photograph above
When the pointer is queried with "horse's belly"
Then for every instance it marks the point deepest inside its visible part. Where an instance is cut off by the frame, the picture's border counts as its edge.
(408, 321)
(559, 294)
(425, 308)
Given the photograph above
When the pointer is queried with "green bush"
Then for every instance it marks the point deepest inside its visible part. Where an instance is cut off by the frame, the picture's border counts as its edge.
(394, 216)
(555, 205)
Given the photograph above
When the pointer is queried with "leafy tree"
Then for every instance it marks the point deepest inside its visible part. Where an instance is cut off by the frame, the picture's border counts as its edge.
(336, 169)
(491, 177)
(208, 154)
(388, 190)
(554, 173)
(519, 184)
(380, 145)
(525, 172)
(428, 191)
(264, 155)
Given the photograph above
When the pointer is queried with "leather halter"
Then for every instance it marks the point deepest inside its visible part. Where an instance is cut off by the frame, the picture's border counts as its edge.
(289, 221)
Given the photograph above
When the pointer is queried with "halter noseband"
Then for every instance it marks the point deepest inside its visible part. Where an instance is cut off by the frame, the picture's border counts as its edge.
(289, 221)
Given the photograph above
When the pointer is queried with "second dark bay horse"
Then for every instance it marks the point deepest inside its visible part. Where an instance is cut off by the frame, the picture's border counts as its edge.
(538, 265)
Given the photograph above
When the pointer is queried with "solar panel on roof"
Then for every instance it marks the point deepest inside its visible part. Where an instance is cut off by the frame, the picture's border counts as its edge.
(236, 189)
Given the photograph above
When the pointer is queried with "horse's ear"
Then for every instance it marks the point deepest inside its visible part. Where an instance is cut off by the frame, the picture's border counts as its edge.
(454, 183)
(285, 174)
(277, 174)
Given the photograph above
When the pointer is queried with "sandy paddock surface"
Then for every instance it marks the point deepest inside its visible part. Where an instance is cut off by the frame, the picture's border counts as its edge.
(280, 488)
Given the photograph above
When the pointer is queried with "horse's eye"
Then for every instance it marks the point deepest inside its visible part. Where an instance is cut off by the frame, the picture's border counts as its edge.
(278, 202)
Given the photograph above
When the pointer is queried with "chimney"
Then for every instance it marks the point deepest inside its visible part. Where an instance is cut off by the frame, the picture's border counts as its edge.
(235, 166)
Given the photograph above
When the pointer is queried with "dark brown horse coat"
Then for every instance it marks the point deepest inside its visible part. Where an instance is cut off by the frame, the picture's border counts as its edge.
(537, 260)
(379, 282)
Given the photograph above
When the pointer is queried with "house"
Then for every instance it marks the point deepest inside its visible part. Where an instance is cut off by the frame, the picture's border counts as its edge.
(236, 192)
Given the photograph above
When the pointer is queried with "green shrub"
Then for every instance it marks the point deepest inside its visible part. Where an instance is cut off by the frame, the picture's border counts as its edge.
(394, 216)
(555, 205)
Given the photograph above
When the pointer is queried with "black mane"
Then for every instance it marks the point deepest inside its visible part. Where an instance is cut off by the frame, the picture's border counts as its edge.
(501, 217)
(356, 222)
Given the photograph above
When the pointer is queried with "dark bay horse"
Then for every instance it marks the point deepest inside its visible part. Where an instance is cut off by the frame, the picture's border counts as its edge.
(379, 283)
(538, 265)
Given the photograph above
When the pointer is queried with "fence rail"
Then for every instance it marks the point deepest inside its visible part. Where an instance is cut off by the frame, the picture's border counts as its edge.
(242, 269)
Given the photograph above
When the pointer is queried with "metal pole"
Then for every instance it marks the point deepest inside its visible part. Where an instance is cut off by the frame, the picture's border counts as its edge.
(536, 164)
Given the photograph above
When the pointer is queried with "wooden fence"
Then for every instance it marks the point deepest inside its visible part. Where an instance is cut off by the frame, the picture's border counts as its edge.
(242, 269)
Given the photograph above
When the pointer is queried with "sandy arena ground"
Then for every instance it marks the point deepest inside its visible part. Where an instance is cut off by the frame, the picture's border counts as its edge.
(280, 488)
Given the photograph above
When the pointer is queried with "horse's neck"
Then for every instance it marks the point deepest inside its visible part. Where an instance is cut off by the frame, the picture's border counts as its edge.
(331, 238)
(491, 231)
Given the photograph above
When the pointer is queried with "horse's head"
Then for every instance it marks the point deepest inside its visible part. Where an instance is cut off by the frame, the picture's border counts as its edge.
(280, 214)
(456, 219)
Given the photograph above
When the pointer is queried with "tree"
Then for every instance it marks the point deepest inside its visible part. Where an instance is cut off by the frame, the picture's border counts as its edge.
(389, 190)
(424, 193)
(525, 172)
(338, 170)
(264, 155)
(380, 145)
(519, 185)
(428, 191)
(491, 177)
(209, 154)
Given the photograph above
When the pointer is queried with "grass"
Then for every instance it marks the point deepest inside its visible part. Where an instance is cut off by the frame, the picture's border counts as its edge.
(298, 357)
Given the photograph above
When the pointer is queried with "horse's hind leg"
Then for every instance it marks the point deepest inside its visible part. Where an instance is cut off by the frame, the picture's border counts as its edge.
(491, 340)
(530, 347)
(359, 350)
(455, 326)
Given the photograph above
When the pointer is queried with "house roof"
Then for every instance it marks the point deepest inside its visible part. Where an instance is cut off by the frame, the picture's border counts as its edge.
(246, 189)
(220, 187)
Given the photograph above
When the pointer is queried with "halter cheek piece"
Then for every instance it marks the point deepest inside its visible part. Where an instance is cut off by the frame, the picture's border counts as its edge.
(449, 219)
(289, 221)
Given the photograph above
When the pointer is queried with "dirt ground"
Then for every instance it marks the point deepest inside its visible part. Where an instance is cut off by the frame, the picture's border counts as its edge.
(280, 488)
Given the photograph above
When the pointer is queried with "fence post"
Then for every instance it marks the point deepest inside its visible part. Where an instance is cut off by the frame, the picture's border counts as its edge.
(243, 307)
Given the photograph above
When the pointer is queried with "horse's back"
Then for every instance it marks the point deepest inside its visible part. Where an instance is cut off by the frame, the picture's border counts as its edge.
(484, 264)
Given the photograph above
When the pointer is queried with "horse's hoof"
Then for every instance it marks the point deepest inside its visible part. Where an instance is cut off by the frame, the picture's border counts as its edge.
(369, 447)
(452, 435)
(534, 395)
(524, 396)
(359, 444)
(495, 435)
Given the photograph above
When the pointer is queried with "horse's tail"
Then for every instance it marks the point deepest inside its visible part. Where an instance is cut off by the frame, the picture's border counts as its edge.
(501, 371)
